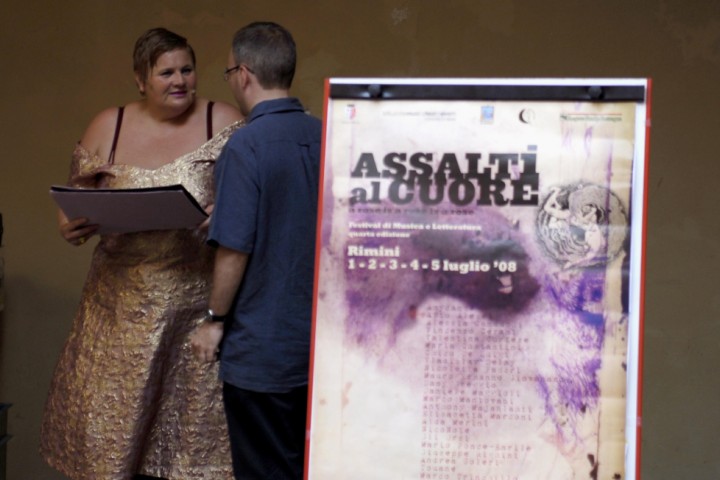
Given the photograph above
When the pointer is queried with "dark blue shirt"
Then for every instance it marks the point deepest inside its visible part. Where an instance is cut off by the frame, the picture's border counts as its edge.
(266, 206)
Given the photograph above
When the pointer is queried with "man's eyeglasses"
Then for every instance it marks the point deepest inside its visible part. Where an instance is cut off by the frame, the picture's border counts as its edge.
(228, 71)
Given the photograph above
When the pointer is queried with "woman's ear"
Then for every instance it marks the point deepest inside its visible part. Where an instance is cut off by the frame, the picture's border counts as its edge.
(140, 84)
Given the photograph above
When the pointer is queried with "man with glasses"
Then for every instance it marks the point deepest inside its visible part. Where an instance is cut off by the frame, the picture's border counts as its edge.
(263, 226)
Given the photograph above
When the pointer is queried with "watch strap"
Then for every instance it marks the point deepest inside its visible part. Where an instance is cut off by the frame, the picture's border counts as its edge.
(214, 317)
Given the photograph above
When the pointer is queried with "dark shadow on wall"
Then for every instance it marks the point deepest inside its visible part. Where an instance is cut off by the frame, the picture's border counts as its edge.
(25, 372)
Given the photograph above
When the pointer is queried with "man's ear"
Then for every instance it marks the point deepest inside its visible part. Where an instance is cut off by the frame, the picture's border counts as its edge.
(243, 78)
(246, 76)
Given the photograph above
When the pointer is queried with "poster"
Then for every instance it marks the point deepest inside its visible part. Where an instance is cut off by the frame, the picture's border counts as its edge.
(478, 291)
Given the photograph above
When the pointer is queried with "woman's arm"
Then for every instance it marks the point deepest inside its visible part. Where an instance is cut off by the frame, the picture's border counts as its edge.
(96, 140)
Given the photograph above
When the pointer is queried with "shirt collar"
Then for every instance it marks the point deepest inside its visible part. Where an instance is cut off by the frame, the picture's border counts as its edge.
(288, 104)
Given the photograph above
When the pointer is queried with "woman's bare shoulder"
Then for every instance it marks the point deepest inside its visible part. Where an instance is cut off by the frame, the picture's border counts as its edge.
(224, 114)
(99, 133)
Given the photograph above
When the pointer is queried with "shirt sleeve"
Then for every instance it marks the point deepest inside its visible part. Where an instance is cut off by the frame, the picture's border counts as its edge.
(234, 217)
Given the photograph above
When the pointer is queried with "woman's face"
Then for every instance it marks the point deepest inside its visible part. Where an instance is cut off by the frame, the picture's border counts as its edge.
(171, 81)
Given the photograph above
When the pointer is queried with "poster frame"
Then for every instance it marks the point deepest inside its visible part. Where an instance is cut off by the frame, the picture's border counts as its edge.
(635, 90)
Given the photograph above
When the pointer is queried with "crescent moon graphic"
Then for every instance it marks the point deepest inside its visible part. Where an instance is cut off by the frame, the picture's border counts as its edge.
(527, 115)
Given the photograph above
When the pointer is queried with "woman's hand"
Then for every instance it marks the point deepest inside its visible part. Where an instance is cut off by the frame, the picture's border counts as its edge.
(77, 230)
(204, 225)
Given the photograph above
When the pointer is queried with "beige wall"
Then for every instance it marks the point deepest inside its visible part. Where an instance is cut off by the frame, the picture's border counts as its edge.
(62, 61)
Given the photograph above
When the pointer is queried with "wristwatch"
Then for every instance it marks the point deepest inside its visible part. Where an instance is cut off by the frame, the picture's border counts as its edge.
(213, 317)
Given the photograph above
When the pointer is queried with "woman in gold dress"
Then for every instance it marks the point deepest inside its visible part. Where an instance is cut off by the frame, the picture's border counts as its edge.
(128, 400)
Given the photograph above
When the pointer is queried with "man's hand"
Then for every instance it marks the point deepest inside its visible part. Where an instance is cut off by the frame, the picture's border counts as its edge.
(206, 339)
(227, 275)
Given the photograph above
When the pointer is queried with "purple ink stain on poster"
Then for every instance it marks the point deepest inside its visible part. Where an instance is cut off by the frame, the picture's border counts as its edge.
(565, 253)
(381, 295)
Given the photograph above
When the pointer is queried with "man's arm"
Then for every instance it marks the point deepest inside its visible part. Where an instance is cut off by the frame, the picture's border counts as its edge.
(227, 276)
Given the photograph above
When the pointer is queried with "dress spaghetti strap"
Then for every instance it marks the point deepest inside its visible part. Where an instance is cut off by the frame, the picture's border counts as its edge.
(209, 120)
(111, 158)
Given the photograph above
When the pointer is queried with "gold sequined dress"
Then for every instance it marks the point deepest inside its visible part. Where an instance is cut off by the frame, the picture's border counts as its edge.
(128, 396)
